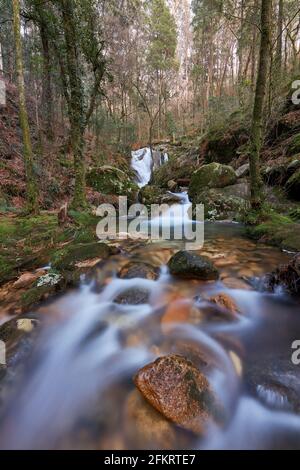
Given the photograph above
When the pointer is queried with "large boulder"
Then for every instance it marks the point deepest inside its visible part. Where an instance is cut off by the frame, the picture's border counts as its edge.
(292, 186)
(190, 265)
(210, 176)
(179, 391)
(111, 180)
(224, 203)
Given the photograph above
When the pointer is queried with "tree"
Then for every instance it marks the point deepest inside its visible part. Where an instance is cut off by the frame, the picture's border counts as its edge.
(258, 110)
(162, 49)
(32, 192)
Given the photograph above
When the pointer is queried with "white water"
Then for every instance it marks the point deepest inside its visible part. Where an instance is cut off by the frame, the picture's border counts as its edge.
(142, 163)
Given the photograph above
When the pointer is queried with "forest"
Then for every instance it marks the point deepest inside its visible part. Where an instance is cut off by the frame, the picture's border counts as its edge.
(149, 225)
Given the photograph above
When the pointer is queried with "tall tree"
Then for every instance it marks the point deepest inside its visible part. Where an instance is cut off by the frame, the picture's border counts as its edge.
(259, 102)
(32, 192)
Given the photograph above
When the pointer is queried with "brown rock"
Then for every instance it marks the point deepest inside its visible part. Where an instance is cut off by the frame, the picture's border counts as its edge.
(134, 270)
(179, 391)
(226, 302)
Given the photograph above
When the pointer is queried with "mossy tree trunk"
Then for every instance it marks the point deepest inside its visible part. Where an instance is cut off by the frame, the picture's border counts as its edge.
(32, 191)
(259, 102)
(75, 104)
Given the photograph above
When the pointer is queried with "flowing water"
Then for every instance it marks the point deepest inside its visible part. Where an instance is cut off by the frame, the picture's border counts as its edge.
(76, 389)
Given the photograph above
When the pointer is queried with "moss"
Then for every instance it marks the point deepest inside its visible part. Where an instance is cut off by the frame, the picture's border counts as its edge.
(277, 230)
(35, 295)
(213, 175)
(151, 195)
(110, 180)
(294, 146)
(66, 258)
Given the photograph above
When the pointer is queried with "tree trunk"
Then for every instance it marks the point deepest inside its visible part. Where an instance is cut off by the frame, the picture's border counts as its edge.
(32, 192)
(278, 61)
(47, 98)
(258, 111)
(75, 105)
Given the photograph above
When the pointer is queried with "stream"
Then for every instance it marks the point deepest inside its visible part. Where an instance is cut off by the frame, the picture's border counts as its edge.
(77, 392)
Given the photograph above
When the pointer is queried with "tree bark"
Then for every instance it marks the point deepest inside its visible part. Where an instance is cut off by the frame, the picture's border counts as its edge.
(258, 110)
(32, 191)
(75, 105)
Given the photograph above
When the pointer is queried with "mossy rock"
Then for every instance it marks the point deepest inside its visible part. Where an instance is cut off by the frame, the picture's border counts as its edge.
(221, 145)
(210, 176)
(111, 180)
(176, 169)
(151, 194)
(190, 265)
(66, 258)
(292, 186)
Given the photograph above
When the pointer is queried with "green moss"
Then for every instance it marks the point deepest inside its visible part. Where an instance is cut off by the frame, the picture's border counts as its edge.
(213, 175)
(110, 180)
(294, 146)
(66, 258)
(277, 230)
(35, 295)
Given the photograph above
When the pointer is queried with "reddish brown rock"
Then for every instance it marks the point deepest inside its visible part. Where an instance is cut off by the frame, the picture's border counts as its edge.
(225, 302)
(179, 391)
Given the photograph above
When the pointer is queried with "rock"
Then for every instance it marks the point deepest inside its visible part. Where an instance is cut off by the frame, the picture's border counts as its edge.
(225, 302)
(172, 185)
(144, 427)
(111, 180)
(222, 144)
(179, 391)
(67, 257)
(275, 381)
(151, 194)
(224, 203)
(292, 186)
(213, 175)
(286, 276)
(176, 169)
(133, 297)
(190, 265)
(171, 199)
(243, 171)
(134, 270)
(26, 280)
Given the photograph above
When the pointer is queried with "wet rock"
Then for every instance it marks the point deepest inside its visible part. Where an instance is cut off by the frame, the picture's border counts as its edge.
(179, 391)
(133, 297)
(210, 176)
(134, 270)
(190, 265)
(144, 427)
(225, 302)
(170, 199)
(275, 381)
(286, 276)
(243, 171)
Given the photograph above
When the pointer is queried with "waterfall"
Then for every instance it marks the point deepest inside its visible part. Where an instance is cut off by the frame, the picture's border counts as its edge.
(143, 162)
